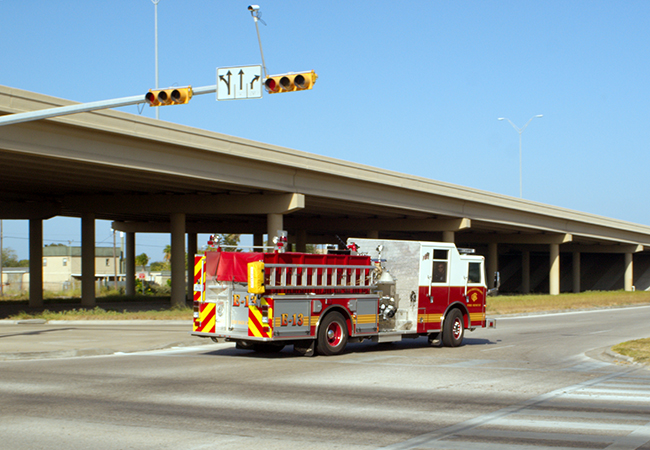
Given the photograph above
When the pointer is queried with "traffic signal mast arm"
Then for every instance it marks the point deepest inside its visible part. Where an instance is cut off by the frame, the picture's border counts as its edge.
(288, 82)
(96, 106)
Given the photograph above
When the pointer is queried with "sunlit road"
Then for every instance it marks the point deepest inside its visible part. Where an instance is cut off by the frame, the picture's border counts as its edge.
(534, 382)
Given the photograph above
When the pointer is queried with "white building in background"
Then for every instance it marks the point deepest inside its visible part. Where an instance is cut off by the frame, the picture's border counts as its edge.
(62, 267)
(15, 280)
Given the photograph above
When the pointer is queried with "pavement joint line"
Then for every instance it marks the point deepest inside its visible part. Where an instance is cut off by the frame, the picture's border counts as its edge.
(427, 439)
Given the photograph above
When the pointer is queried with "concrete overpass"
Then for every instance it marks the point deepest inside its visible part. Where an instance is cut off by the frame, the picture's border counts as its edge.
(152, 176)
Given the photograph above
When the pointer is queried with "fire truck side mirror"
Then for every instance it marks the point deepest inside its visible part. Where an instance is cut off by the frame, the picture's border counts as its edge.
(256, 277)
(497, 284)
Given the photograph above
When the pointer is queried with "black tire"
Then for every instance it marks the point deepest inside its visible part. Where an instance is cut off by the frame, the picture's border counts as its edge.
(332, 334)
(244, 345)
(454, 329)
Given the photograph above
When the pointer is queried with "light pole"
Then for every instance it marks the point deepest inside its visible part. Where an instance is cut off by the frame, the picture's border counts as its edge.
(155, 3)
(520, 130)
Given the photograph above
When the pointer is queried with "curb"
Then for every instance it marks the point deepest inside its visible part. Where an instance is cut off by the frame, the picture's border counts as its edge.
(565, 311)
(74, 353)
(120, 322)
(94, 322)
(618, 357)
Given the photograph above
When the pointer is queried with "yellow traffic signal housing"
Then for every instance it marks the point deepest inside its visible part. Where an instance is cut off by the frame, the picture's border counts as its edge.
(169, 96)
(290, 82)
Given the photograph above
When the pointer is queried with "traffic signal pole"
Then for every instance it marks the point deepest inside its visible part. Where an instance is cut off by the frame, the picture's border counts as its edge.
(255, 12)
(87, 107)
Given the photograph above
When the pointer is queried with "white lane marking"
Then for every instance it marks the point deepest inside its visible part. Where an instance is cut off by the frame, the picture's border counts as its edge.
(568, 313)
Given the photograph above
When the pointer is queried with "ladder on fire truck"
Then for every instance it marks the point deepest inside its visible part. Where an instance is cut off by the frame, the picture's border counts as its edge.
(330, 277)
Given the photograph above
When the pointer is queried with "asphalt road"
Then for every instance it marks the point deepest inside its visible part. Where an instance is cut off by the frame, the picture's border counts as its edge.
(534, 382)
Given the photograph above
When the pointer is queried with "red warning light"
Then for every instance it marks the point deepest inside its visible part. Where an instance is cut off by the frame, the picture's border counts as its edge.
(290, 82)
(271, 85)
(151, 99)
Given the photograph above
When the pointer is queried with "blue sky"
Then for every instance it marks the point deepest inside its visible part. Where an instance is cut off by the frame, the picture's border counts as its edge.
(414, 87)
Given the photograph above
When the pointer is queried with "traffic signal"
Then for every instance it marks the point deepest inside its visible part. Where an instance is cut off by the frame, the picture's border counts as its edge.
(169, 96)
(290, 82)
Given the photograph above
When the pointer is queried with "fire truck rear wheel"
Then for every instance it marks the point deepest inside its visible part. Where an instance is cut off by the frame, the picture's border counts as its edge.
(244, 345)
(454, 329)
(332, 334)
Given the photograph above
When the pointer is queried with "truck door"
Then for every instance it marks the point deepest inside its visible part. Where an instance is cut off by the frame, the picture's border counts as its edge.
(475, 293)
(440, 276)
(435, 277)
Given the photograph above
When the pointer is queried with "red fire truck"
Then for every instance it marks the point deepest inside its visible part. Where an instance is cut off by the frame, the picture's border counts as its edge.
(381, 290)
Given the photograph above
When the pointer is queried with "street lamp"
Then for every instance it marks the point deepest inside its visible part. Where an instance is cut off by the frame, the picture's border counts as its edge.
(155, 7)
(520, 130)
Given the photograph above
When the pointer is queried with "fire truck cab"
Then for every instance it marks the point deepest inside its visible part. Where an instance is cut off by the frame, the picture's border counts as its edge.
(380, 290)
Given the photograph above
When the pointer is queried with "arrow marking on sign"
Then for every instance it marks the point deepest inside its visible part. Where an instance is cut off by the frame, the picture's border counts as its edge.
(241, 79)
(257, 77)
(221, 77)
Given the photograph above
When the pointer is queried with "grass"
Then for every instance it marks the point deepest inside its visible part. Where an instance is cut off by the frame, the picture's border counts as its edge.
(519, 304)
(97, 313)
(639, 350)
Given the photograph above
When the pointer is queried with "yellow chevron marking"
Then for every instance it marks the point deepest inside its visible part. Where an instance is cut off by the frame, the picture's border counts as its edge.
(254, 310)
(366, 318)
(205, 326)
(198, 267)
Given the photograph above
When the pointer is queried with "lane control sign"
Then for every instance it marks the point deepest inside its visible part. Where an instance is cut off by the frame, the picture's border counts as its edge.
(236, 83)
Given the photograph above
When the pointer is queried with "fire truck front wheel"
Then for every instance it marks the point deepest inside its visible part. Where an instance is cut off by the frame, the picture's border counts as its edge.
(454, 329)
(332, 334)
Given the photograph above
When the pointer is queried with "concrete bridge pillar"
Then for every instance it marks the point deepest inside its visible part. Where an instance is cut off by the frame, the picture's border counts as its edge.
(88, 260)
(629, 272)
(554, 272)
(301, 240)
(35, 262)
(525, 272)
(274, 223)
(129, 257)
(576, 272)
(492, 263)
(448, 236)
(258, 241)
(178, 259)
